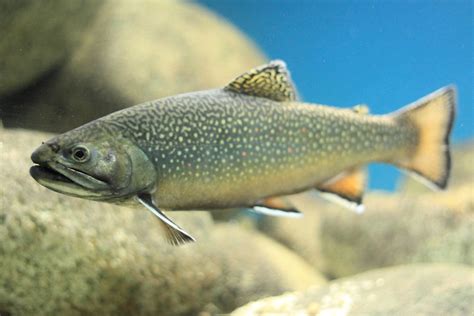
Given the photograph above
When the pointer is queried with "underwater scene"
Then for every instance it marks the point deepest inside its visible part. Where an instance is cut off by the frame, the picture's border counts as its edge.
(165, 157)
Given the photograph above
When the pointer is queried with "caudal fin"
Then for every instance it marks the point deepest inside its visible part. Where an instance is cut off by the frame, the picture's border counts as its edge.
(432, 117)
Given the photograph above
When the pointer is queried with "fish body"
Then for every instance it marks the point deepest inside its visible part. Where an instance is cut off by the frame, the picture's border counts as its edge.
(242, 146)
(218, 149)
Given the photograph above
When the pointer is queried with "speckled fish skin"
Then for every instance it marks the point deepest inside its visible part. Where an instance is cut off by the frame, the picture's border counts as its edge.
(245, 145)
(217, 148)
(233, 147)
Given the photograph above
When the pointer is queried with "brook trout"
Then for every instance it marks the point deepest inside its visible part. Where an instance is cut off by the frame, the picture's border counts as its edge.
(248, 144)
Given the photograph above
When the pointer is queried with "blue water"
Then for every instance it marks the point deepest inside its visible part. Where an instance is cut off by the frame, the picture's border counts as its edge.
(382, 53)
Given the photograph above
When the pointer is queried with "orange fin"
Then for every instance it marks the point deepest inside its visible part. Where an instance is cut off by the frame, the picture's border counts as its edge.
(348, 186)
(276, 206)
(433, 117)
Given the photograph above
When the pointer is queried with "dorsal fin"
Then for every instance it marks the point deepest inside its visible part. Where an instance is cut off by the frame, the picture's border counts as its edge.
(348, 186)
(271, 81)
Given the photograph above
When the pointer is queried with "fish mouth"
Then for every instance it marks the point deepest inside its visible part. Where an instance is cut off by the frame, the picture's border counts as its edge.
(66, 180)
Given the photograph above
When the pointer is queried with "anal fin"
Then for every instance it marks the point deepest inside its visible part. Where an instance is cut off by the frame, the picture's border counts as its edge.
(346, 188)
(175, 235)
(276, 206)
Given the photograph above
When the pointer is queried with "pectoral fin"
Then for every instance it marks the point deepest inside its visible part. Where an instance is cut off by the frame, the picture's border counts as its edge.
(276, 206)
(175, 235)
(346, 188)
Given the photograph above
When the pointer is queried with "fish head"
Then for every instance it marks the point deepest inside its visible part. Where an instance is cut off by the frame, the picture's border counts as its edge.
(94, 165)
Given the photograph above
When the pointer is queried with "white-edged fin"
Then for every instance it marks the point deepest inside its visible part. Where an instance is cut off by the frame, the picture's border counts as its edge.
(421, 179)
(347, 187)
(351, 205)
(175, 235)
(291, 213)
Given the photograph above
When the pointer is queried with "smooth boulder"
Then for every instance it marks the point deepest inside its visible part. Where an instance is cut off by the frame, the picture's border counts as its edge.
(36, 37)
(422, 289)
(134, 51)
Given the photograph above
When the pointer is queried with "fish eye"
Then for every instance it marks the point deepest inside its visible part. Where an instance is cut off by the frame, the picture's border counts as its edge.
(80, 154)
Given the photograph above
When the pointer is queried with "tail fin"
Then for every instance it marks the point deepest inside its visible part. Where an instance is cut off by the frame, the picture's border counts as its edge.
(432, 117)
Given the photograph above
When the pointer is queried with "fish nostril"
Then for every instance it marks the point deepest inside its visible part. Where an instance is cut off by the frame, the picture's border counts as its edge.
(54, 147)
(44, 153)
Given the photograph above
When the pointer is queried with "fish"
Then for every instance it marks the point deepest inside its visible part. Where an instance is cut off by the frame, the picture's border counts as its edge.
(250, 144)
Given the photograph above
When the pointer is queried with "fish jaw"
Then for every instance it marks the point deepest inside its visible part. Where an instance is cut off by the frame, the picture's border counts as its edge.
(60, 178)
(57, 182)
(116, 171)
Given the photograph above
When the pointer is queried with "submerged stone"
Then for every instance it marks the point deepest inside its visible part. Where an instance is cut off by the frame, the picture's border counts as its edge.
(420, 289)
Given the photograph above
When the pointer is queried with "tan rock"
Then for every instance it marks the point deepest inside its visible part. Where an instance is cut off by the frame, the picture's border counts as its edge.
(302, 235)
(37, 36)
(135, 51)
(398, 229)
(430, 289)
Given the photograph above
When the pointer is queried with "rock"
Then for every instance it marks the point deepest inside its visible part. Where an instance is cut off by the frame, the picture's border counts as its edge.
(397, 229)
(37, 36)
(134, 51)
(301, 235)
(430, 289)
(274, 269)
(62, 255)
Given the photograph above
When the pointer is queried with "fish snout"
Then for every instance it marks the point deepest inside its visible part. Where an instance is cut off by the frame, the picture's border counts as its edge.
(44, 153)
